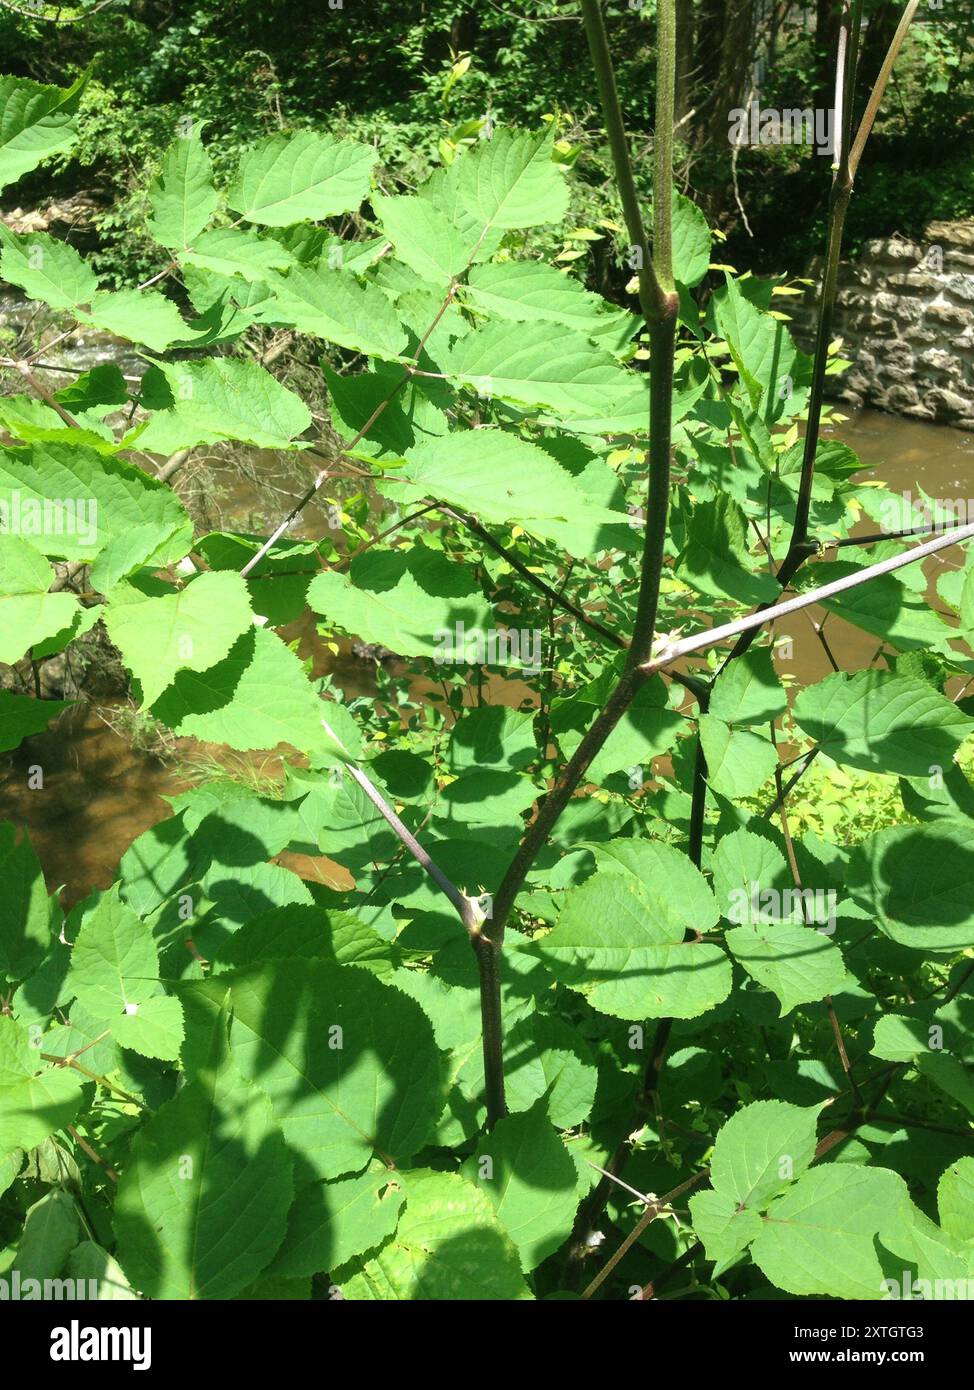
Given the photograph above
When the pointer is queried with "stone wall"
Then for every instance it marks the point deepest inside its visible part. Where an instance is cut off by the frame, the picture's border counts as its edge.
(905, 313)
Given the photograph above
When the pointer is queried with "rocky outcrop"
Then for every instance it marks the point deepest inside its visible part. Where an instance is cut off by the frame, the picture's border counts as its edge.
(905, 314)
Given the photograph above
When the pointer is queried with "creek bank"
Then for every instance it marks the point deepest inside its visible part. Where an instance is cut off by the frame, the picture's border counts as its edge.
(905, 314)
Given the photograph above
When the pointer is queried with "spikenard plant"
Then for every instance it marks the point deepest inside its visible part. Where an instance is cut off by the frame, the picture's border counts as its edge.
(219, 1080)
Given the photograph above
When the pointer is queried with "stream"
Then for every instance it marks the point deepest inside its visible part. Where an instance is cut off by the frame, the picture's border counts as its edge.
(99, 792)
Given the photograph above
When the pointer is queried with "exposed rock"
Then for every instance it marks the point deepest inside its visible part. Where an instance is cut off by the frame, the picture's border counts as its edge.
(937, 358)
(961, 287)
(915, 334)
(952, 234)
(915, 282)
(950, 315)
(873, 323)
(905, 316)
(901, 397)
(948, 405)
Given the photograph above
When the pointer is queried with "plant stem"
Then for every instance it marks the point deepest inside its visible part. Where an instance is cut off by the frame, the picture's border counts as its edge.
(751, 622)
(839, 204)
(660, 304)
(410, 371)
(466, 907)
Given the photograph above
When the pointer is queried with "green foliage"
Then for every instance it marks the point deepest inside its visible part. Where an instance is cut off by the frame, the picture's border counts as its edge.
(287, 1080)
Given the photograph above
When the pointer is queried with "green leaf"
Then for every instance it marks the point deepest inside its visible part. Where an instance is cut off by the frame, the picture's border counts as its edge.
(526, 291)
(290, 177)
(93, 1265)
(758, 1154)
(882, 722)
(491, 736)
(918, 881)
(905, 1037)
(449, 1245)
(772, 369)
(47, 269)
(955, 1199)
(256, 697)
(28, 613)
(648, 729)
(140, 316)
(27, 419)
(511, 181)
(332, 1223)
(501, 478)
(114, 975)
(739, 761)
(423, 237)
(913, 1238)
(543, 1057)
(686, 905)
(564, 372)
(885, 607)
(741, 860)
(715, 558)
(747, 690)
(217, 398)
(189, 629)
(409, 418)
(530, 1180)
(723, 1227)
(50, 1232)
(348, 1062)
(71, 502)
(21, 716)
(762, 1149)
(182, 195)
(616, 943)
(410, 601)
(35, 1099)
(819, 1238)
(36, 121)
(333, 305)
(26, 920)
(232, 251)
(342, 822)
(202, 1205)
(488, 748)
(798, 964)
(691, 241)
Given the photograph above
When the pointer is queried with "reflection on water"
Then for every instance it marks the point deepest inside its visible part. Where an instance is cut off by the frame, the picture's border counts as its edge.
(98, 793)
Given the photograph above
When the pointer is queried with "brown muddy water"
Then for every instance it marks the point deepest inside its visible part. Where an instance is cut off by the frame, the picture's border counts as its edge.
(99, 793)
